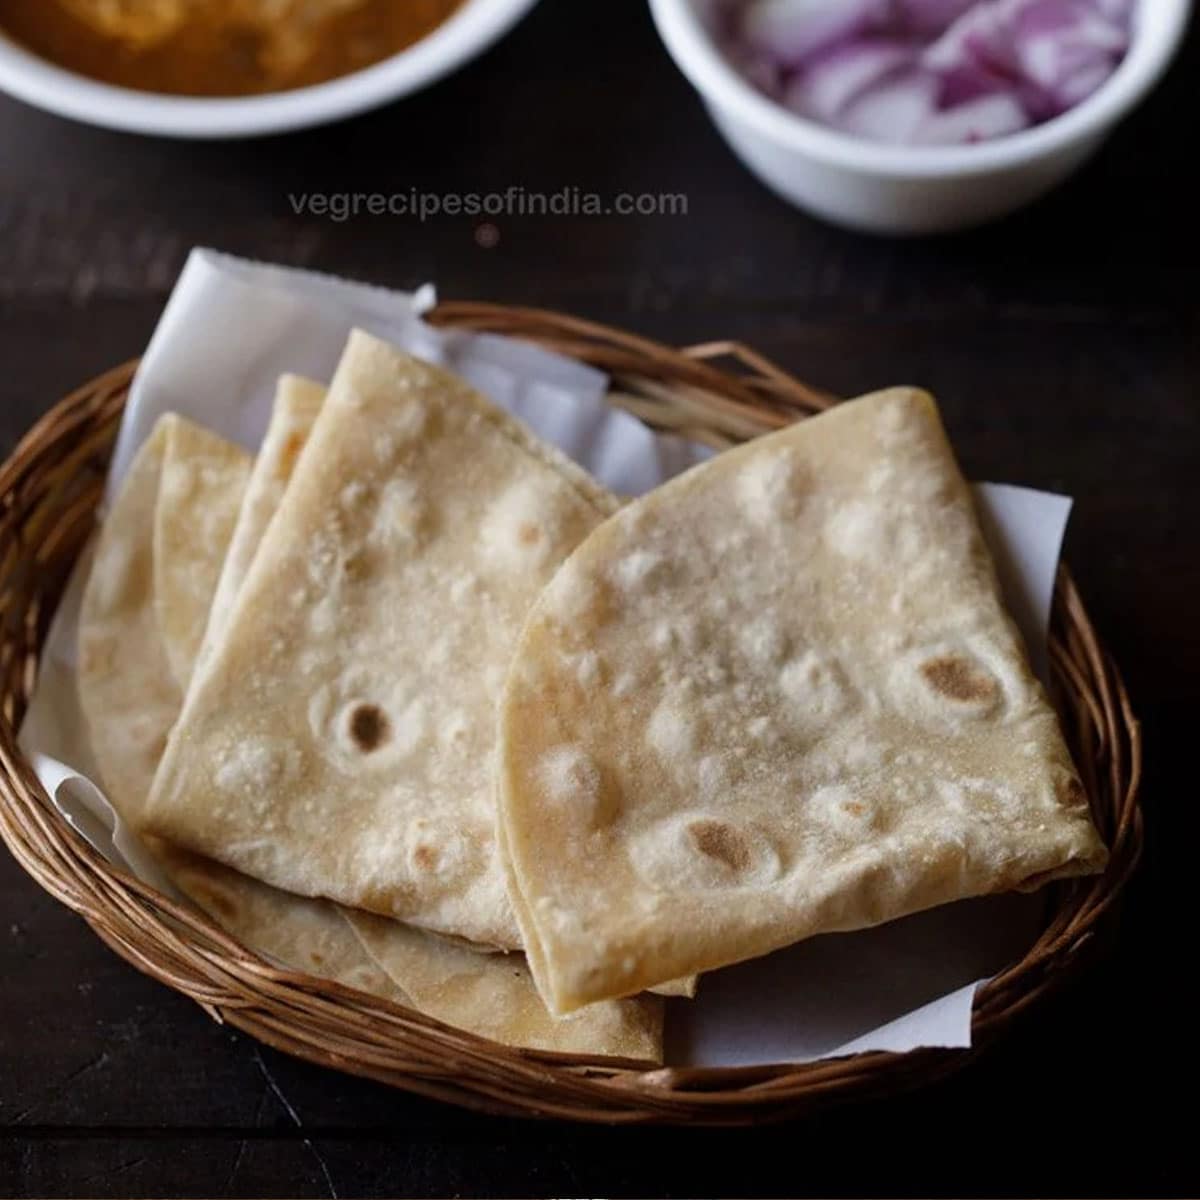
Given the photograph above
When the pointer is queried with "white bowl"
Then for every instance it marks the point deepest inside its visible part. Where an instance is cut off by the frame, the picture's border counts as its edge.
(471, 29)
(910, 190)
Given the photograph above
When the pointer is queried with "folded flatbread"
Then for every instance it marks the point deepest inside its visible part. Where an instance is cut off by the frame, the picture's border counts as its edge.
(339, 741)
(130, 692)
(419, 964)
(777, 697)
(200, 492)
(130, 696)
(297, 403)
(494, 995)
(119, 626)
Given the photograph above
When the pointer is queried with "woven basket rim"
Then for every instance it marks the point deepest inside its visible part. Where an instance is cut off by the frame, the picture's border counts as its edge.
(720, 392)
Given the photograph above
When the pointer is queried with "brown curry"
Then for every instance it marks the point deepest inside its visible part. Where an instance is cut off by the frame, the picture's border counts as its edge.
(219, 47)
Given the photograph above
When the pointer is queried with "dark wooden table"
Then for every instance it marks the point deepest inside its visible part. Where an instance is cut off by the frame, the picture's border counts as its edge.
(1065, 347)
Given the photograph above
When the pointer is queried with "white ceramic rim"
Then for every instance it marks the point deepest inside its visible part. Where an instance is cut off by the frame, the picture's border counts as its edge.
(696, 55)
(465, 34)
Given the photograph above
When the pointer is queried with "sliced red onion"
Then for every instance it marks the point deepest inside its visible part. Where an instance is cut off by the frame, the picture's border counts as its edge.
(1044, 31)
(979, 41)
(893, 110)
(1051, 53)
(971, 82)
(977, 120)
(928, 18)
(930, 71)
(839, 75)
(793, 30)
(1079, 85)
(1119, 12)
(763, 71)
(1066, 51)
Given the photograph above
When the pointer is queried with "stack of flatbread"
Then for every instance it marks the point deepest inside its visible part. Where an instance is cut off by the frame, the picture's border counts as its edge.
(411, 702)
(335, 705)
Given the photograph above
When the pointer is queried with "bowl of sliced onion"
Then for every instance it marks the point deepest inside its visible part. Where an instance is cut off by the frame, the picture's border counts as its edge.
(918, 116)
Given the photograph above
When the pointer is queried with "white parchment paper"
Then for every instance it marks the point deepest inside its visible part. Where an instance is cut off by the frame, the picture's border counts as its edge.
(231, 328)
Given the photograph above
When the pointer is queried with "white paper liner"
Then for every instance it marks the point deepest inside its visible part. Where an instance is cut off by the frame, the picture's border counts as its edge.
(231, 328)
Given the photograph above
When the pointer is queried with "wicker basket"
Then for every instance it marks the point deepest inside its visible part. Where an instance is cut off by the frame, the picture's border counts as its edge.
(718, 393)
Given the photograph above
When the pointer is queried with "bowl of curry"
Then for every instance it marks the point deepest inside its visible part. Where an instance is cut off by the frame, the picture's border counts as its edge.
(235, 68)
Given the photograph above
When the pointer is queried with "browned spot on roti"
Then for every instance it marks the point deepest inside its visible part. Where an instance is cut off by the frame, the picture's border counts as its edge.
(959, 679)
(853, 806)
(425, 857)
(213, 899)
(1070, 793)
(368, 727)
(528, 533)
(290, 453)
(721, 842)
(387, 900)
(357, 566)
